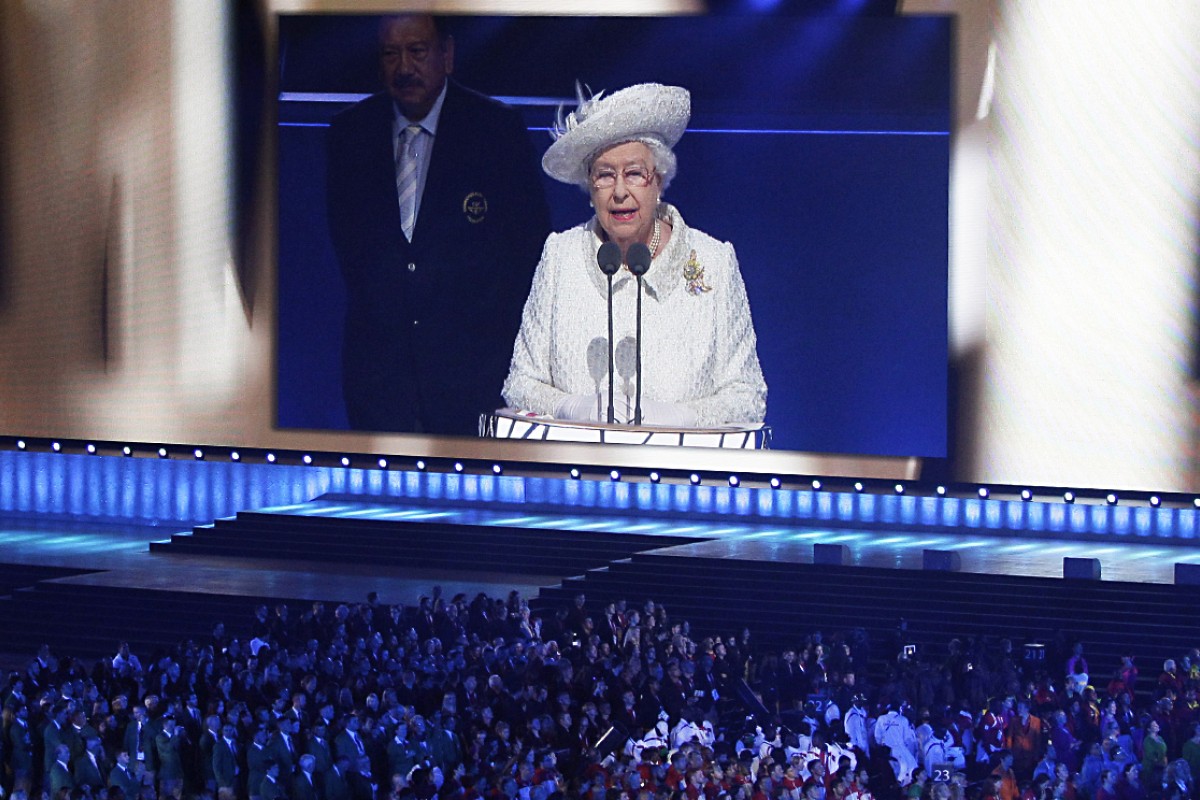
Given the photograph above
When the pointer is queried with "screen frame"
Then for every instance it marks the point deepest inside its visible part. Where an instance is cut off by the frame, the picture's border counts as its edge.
(772, 462)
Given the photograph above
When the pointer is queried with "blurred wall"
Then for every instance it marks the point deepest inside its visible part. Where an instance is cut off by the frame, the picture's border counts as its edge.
(1092, 201)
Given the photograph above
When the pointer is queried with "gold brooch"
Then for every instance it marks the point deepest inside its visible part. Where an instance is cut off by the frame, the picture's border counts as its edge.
(693, 273)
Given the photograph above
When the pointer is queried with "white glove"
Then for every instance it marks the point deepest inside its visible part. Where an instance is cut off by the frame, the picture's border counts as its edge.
(668, 415)
(579, 408)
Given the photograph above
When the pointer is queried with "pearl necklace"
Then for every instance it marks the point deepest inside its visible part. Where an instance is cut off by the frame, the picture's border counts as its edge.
(656, 238)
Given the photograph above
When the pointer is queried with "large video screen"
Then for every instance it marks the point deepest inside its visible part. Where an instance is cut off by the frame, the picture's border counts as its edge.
(818, 147)
(167, 274)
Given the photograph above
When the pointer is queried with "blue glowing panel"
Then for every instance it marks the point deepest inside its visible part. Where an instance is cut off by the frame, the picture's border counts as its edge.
(1144, 521)
(993, 513)
(972, 512)
(930, 509)
(824, 505)
(1186, 521)
(803, 507)
(1057, 517)
(1035, 516)
(1015, 515)
(951, 511)
(868, 508)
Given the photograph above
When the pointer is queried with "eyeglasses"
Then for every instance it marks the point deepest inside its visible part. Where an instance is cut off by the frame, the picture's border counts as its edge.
(637, 177)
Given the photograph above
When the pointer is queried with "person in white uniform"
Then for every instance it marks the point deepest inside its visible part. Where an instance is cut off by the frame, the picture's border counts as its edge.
(856, 724)
(895, 731)
(699, 350)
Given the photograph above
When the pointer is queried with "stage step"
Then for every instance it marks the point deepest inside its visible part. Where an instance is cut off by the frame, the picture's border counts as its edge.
(421, 544)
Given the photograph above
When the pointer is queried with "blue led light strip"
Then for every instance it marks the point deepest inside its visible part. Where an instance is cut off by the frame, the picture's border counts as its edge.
(554, 102)
(767, 131)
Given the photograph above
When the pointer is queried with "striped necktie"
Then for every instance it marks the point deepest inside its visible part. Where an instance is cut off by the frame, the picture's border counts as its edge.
(406, 181)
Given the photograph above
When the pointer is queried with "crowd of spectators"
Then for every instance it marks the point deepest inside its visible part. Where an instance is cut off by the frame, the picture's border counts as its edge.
(479, 697)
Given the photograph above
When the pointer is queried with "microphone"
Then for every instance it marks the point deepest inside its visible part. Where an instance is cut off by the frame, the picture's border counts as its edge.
(638, 258)
(609, 258)
(609, 261)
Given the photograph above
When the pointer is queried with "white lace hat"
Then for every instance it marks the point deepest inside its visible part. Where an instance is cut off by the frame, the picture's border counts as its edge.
(647, 110)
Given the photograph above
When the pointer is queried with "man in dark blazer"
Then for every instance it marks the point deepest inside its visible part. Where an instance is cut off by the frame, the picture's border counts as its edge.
(349, 742)
(88, 768)
(271, 788)
(168, 745)
(306, 786)
(124, 776)
(54, 734)
(225, 762)
(431, 315)
(20, 749)
(282, 747)
(320, 748)
(61, 776)
(257, 756)
(336, 783)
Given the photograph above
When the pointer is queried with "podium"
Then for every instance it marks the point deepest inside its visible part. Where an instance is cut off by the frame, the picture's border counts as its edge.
(506, 423)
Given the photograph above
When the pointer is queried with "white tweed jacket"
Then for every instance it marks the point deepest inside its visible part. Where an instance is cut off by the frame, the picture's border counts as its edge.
(698, 341)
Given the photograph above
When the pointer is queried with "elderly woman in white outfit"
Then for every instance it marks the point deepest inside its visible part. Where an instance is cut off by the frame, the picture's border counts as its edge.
(700, 364)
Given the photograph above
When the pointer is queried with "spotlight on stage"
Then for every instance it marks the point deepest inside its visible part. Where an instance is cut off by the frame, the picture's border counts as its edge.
(1196, 502)
(21, 446)
(1111, 499)
(270, 458)
(655, 477)
(497, 469)
(1068, 497)
(575, 474)
(858, 487)
(198, 453)
(695, 479)
(127, 450)
(614, 475)
(941, 490)
(56, 447)
(733, 480)
(899, 488)
(345, 461)
(816, 484)
(235, 456)
(307, 459)
(1026, 495)
(383, 463)
(458, 467)
(776, 483)
(983, 492)
(421, 466)
(91, 448)
(1154, 501)
(162, 452)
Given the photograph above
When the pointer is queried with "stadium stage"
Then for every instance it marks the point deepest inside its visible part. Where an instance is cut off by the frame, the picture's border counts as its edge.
(159, 550)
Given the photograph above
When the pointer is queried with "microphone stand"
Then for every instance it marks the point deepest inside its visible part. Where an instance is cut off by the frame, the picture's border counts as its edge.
(609, 260)
(637, 405)
(638, 258)
(612, 413)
